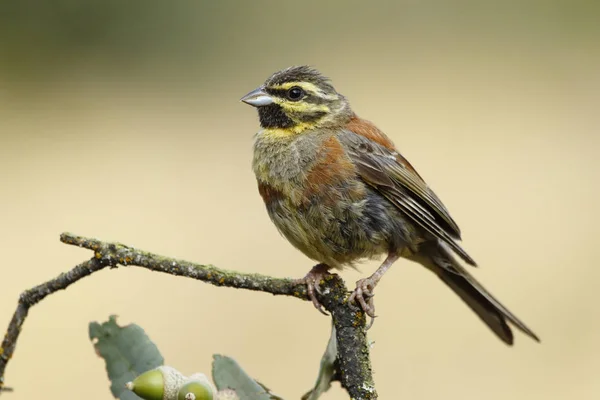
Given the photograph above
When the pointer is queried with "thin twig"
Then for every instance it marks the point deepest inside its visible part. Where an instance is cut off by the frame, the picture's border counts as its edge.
(349, 321)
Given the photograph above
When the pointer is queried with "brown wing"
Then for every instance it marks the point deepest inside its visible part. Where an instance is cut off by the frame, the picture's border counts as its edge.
(381, 166)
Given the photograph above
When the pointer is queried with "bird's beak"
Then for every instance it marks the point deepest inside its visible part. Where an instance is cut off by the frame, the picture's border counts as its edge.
(257, 98)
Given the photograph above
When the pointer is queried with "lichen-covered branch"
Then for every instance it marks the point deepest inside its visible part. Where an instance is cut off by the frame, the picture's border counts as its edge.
(349, 321)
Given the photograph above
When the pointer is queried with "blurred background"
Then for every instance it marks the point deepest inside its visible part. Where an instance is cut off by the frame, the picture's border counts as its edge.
(122, 121)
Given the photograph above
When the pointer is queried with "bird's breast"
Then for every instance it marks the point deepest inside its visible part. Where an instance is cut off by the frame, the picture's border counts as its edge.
(316, 199)
(303, 167)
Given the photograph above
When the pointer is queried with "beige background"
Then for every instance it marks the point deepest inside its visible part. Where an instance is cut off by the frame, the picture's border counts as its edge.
(123, 123)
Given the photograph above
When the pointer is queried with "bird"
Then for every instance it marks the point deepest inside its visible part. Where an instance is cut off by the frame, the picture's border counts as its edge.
(337, 188)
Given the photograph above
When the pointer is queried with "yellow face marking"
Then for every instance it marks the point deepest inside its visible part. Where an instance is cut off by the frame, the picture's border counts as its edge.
(308, 87)
(300, 106)
(294, 130)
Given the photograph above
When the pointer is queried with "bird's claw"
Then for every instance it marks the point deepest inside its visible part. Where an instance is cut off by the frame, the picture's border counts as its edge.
(312, 280)
(363, 296)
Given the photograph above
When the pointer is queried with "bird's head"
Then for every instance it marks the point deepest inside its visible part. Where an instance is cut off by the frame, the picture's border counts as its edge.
(298, 99)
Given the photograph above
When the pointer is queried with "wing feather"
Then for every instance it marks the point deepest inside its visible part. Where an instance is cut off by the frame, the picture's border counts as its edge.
(388, 172)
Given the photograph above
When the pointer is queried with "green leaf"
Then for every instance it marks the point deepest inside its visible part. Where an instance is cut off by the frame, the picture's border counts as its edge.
(127, 351)
(327, 371)
(227, 374)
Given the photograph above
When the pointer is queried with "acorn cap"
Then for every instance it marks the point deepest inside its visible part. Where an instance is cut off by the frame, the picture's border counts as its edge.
(157, 384)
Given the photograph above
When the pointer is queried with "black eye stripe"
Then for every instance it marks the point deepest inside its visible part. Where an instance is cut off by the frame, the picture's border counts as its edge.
(314, 100)
(276, 92)
(309, 97)
(295, 93)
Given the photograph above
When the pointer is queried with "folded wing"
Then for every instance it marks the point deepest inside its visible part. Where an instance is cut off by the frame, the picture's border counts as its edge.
(392, 175)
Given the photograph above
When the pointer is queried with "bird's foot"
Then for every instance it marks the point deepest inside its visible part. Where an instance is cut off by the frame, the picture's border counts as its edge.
(363, 296)
(312, 281)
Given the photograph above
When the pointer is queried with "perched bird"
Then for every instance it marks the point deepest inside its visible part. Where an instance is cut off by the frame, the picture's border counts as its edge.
(336, 187)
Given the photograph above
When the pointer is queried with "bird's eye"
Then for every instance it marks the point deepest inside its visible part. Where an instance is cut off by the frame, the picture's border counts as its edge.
(295, 93)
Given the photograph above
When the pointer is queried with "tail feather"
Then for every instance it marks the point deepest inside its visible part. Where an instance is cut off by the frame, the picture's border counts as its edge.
(490, 310)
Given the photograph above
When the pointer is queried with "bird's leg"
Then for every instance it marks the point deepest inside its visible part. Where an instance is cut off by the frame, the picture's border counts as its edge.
(363, 294)
(312, 281)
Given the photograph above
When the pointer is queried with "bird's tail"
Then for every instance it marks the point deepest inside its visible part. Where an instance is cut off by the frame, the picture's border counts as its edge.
(491, 311)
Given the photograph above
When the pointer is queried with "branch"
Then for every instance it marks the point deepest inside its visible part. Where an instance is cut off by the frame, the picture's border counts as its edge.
(349, 321)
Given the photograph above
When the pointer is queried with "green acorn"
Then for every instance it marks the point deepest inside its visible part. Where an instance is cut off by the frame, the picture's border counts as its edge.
(194, 390)
(160, 383)
(196, 387)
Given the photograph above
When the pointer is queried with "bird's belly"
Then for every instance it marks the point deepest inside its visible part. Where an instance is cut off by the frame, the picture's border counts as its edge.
(337, 227)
